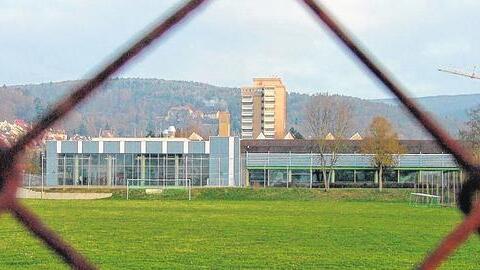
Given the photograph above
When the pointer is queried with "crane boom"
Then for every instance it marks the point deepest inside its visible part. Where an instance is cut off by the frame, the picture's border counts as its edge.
(461, 73)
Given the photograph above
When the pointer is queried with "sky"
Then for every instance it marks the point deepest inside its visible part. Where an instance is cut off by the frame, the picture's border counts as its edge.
(228, 42)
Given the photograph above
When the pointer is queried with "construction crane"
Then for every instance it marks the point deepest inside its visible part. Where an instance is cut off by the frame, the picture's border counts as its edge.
(461, 73)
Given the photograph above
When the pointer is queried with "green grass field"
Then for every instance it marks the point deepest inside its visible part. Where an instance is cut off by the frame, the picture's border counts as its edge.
(235, 228)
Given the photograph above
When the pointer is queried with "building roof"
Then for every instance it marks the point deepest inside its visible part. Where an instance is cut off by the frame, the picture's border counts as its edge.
(195, 137)
(261, 136)
(329, 137)
(289, 136)
(356, 136)
(352, 146)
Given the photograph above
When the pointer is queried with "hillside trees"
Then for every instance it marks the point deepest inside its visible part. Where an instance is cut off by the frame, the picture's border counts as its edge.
(15, 104)
(39, 108)
(120, 100)
(33, 161)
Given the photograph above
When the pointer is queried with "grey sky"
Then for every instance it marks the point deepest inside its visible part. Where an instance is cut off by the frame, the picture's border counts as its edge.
(230, 41)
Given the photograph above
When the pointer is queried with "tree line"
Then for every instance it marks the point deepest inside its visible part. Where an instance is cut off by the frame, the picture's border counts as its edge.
(329, 119)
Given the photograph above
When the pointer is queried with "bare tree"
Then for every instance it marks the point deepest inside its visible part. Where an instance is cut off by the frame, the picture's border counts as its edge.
(382, 141)
(326, 114)
(471, 133)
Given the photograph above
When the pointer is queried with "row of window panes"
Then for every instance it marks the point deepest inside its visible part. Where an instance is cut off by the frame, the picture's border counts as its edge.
(279, 177)
(91, 169)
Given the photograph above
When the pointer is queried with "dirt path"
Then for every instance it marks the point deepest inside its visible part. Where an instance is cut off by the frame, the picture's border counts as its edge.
(30, 194)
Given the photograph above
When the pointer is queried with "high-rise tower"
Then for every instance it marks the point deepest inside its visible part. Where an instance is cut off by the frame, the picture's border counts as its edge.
(264, 109)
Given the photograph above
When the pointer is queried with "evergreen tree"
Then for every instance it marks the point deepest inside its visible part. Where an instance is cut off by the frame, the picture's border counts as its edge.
(82, 130)
(150, 134)
(39, 108)
(150, 128)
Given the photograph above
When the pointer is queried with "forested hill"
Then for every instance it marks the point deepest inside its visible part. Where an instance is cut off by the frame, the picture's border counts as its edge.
(127, 106)
(134, 106)
(453, 107)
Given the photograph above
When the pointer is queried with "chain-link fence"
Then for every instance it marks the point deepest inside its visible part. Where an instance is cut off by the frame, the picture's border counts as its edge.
(10, 157)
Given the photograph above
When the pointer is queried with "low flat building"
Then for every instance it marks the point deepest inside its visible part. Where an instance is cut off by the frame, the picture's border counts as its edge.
(231, 162)
(143, 161)
(289, 163)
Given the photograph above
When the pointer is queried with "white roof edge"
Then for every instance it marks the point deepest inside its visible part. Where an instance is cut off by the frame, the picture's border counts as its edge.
(125, 139)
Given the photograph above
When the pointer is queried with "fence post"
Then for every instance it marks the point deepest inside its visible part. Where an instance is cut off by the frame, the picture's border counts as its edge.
(189, 189)
(264, 173)
(289, 170)
(443, 186)
(41, 193)
(311, 171)
(267, 183)
(454, 183)
(246, 181)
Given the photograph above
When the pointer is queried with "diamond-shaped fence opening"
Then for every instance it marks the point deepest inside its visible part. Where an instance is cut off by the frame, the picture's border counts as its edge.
(10, 178)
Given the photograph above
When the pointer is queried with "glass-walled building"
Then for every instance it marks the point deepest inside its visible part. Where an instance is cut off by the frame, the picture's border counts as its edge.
(223, 162)
(143, 161)
(146, 169)
(296, 163)
(306, 170)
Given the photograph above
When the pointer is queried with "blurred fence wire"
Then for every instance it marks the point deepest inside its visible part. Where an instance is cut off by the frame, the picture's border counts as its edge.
(10, 157)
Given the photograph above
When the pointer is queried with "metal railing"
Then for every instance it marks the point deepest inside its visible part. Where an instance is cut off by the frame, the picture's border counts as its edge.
(347, 160)
(10, 173)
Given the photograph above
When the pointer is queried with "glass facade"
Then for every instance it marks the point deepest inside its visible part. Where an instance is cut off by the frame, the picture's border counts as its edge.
(217, 163)
(278, 178)
(258, 177)
(138, 169)
(301, 178)
(344, 176)
(304, 169)
(390, 175)
(296, 177)
(408, 176)
(365, 176)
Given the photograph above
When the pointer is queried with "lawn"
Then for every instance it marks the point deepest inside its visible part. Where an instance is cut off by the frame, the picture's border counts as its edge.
(356, 229)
